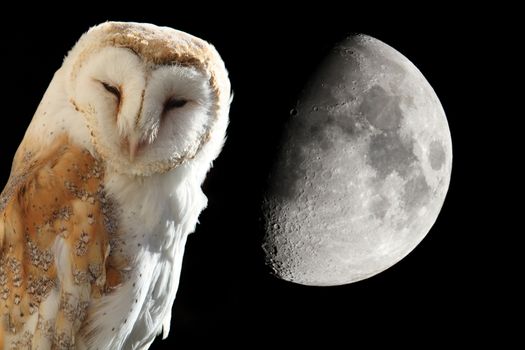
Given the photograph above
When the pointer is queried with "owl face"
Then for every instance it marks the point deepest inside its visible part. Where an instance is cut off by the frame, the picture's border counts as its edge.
(146, 113)
(141, 113)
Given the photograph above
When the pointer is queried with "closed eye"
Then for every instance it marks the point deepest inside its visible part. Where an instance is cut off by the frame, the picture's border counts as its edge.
(111, 89)
(174, 102)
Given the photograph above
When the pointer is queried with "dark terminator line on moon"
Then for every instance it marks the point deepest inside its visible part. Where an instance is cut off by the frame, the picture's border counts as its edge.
(363, 170)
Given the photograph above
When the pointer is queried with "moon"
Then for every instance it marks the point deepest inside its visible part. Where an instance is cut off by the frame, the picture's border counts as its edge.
(363, 168)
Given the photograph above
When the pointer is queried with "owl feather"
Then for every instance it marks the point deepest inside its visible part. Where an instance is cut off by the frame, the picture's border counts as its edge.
(105, 188)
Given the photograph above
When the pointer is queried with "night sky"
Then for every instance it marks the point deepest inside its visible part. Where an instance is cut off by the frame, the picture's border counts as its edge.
(439, 292)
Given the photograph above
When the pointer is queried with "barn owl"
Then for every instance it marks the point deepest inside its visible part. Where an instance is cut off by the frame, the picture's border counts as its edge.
(106, 186)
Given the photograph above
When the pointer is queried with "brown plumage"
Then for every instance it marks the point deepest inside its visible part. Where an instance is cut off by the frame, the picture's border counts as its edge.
(54, 194)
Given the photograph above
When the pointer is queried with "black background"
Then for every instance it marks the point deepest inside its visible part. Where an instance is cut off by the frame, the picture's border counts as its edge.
(442, 291)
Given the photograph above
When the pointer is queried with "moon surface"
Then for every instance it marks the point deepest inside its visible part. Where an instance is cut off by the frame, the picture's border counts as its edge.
(362, 171)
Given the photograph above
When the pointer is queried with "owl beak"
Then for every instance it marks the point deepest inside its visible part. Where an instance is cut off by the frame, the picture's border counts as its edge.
(133, 146)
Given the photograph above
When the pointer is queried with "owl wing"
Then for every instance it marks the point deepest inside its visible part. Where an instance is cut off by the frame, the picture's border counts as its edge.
(54, 246)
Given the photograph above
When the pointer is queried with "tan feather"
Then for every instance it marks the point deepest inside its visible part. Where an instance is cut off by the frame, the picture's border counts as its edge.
(54, 199)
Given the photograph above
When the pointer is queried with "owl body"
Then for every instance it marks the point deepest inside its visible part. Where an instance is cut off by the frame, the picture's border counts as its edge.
(106, 186)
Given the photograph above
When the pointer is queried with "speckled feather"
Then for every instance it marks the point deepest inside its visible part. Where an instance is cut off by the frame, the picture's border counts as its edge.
(55, 199)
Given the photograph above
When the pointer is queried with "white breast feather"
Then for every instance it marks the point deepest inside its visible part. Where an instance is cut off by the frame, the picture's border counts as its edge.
(157, 215)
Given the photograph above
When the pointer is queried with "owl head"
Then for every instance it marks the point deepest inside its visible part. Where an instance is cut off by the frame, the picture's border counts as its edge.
(153, 98)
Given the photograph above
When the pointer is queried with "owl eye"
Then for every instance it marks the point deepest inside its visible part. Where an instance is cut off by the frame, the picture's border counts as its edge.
(173, 103)
(111, 89)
